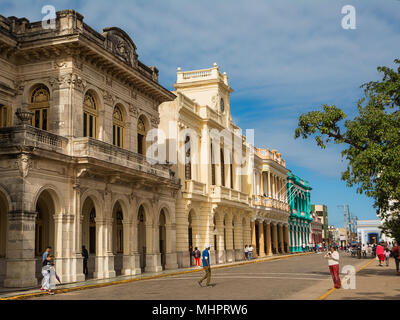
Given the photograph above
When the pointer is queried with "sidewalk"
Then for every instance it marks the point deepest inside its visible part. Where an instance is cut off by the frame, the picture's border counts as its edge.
(372, 283)
(13, 294)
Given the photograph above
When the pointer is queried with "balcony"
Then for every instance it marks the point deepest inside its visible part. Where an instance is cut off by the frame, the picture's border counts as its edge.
(267, 154)
(28, 136)
(201, 75)
(81, 148)
(267, 202)
(220, 193)
(195, 187)
(99, 150)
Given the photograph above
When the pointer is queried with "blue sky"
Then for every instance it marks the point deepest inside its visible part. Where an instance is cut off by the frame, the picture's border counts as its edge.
(283, 58)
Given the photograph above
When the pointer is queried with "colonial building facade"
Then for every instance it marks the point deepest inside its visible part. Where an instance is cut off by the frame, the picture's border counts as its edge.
(233, 194)
(79, 116)
(300, 213)
(75, 107)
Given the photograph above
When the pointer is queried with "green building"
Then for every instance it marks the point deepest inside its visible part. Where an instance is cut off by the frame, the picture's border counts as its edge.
(299, 199)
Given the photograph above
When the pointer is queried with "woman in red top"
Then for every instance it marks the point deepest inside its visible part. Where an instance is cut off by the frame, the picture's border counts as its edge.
(380, 252)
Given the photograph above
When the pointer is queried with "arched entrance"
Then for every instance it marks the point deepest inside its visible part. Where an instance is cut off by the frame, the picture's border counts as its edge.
(257, 232)
(3, 236)
(44, 228)
(163, 238)
(142, 237)
(273, 244)
(244, 239)
(118, 238)
(89, 233)
(190, 236)
(141, 135)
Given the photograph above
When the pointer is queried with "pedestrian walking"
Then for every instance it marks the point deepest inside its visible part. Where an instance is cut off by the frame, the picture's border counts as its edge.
(197, 255)
(49, 275)
(250, 252)
(333, 262)
(246, 252)
(85, 255)
(387, 256)
(207, 268)
(46, 252)
(396, 256)
(380, 253)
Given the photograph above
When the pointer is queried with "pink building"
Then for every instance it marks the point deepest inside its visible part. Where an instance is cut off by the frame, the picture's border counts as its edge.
(316, 229)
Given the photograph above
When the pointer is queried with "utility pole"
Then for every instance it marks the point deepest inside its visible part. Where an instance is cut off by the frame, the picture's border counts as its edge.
(350, 223)
(345, 222)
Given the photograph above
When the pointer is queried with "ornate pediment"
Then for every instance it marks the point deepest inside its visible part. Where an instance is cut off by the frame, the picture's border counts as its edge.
(121, 45)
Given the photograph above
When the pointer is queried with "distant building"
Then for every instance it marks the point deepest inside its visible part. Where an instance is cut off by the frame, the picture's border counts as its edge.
(368, 231)
(343, 237)
(333, 235)
(316, 229)
(321, 211)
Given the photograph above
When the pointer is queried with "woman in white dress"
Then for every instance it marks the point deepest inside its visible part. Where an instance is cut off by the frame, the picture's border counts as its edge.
(49, 275)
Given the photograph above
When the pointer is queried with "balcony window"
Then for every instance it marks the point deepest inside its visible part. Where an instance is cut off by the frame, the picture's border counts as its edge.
(90, 115)
(39, 104)
(222, 169)
(5, 116)
(118, 127)
(212, 166)
(188, 162)
(141, 129)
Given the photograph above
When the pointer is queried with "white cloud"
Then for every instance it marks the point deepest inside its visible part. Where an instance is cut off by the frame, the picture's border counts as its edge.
(285, 57)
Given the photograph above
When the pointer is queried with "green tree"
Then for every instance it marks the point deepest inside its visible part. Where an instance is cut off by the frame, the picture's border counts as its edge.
(371, 140)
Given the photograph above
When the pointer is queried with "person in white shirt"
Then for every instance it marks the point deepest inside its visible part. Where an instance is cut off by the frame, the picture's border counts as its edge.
(250, 252)
(364, 250)
(246, 252)
(333, 262)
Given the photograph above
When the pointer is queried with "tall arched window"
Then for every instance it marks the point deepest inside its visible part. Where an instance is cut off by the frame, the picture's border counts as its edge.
(39, 104)
(222, 169)
(5, 116)
(120, 230)
(212, 166)
(231, 171)
(92, 231)
(222, 105)
(90, 115)
(118, 127)
(188, 162)
(141, 134)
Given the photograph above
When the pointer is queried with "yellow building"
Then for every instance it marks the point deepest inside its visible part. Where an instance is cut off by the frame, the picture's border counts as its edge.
(232, 193)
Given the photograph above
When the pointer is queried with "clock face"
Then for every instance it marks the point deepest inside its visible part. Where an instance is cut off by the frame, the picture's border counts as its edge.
(222, 105)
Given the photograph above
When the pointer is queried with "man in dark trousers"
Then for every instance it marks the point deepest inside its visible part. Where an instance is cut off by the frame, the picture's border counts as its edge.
(85, 255)
(206, 265)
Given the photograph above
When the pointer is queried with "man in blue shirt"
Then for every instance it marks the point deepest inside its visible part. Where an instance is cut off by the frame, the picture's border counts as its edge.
(44, 257)
(206, 265)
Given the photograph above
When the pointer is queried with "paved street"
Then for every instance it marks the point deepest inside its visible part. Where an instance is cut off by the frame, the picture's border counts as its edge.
(301, 277)
(372, 283)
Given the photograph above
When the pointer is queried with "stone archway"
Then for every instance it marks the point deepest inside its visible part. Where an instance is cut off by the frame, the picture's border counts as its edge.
(4, 208)
(89, 234)
(44, 227)
(141, 240)
(118, 238)
(162, 237)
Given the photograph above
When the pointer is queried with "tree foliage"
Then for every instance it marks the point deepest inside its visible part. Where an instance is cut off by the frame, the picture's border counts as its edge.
(371, 139)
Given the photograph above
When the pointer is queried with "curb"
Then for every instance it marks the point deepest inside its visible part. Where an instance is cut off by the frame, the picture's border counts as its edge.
(100, 285)
(330, 291)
